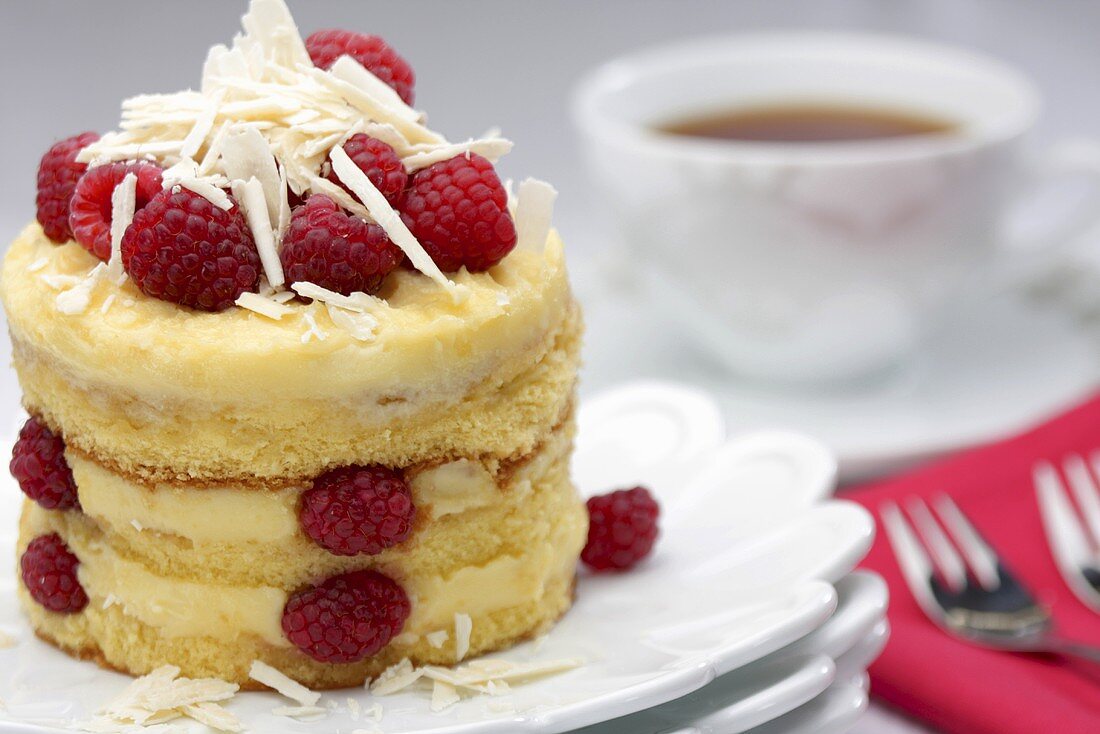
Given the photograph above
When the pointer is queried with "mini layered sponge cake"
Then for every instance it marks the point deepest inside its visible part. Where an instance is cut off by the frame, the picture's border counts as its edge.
(301, 377)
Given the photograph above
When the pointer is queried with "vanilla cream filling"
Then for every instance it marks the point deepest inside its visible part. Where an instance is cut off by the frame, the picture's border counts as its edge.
(212, 515)
(454, 487)
(209, 515)
(180, 608)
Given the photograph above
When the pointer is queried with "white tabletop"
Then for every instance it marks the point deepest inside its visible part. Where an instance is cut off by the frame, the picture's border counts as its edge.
(482, 63)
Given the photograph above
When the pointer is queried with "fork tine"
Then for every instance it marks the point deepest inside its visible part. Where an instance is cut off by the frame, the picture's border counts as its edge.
(947, 558)
(915, 564)
(1084, 488)
(1064, 532)
(979, 555)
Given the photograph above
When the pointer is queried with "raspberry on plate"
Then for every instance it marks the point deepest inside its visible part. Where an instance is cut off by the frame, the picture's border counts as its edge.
(49, 573)
(458, 209)
(90, 211)
(326, 246)
(376, 56)
(184, 249)
(38, 464)
(58, 173)
(381, 164)
(622, 528)
(357, 509)
(346, 617)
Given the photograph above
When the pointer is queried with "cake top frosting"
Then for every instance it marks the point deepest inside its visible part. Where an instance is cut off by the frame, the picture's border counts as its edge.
(298, 171)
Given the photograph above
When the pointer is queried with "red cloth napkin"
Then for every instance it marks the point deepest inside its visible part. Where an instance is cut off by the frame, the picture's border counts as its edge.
(960, 688)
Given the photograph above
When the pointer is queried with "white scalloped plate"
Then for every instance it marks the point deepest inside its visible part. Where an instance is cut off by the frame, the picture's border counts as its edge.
(839, 650)
(743, 569)
(833, 712)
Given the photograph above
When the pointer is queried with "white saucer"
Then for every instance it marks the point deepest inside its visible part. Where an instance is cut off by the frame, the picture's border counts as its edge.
(1002, 364)
(749, 552)
(838, 652)
(835, 711)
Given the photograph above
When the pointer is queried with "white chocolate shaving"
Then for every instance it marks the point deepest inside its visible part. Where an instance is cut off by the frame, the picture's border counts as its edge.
(397, 677)
(263, 305)
(490, 148)
(390, 221)
(444, 696)
(163, 696)
(76, 299)
(123, 204)
(351, 71)
(246, 155)
(38, 264)
(313, 331)
(202, 127)
(463, 627)
(300, 712)
(534, 212)
(275, 679)
(358, 302)
(250, 196)
(359, 325)
(213, 716)
(208, 191)
(340, 196)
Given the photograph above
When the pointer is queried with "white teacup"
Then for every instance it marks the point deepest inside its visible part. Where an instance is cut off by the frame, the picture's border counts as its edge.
(815, 261)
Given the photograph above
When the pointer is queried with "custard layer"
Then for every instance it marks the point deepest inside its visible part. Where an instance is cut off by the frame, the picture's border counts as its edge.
(489, 510)
(119, 641)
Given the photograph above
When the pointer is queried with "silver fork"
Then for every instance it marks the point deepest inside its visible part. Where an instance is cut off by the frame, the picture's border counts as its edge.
(975, 596)
(1075, 544)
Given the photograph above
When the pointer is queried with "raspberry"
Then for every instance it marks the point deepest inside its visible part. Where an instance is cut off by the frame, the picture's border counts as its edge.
(622, 527)
(347, 617)
(38, 464)
(58, 173)
(458, 210)
(381, 164)
(182, 248)
(357, 509)
(326, 246)
(49, 573)
(371, 51)
(90, 211)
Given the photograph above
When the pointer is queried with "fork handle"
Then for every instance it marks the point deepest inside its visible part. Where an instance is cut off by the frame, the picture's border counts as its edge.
(1080, 650)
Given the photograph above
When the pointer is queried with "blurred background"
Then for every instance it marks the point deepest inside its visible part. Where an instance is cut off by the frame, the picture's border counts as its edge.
(67, 65)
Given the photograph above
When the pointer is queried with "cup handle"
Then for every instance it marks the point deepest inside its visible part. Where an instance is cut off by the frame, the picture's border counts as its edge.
(1030, 256)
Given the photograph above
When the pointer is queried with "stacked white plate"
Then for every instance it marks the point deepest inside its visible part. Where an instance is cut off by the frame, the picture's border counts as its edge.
(748, 617)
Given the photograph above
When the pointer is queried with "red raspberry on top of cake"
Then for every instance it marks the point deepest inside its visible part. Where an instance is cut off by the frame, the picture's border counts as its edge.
(458, 209)
(90, 209)
(184, 249)
(381, 164)
(376, 56)
(58, 173)
(326, 246)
